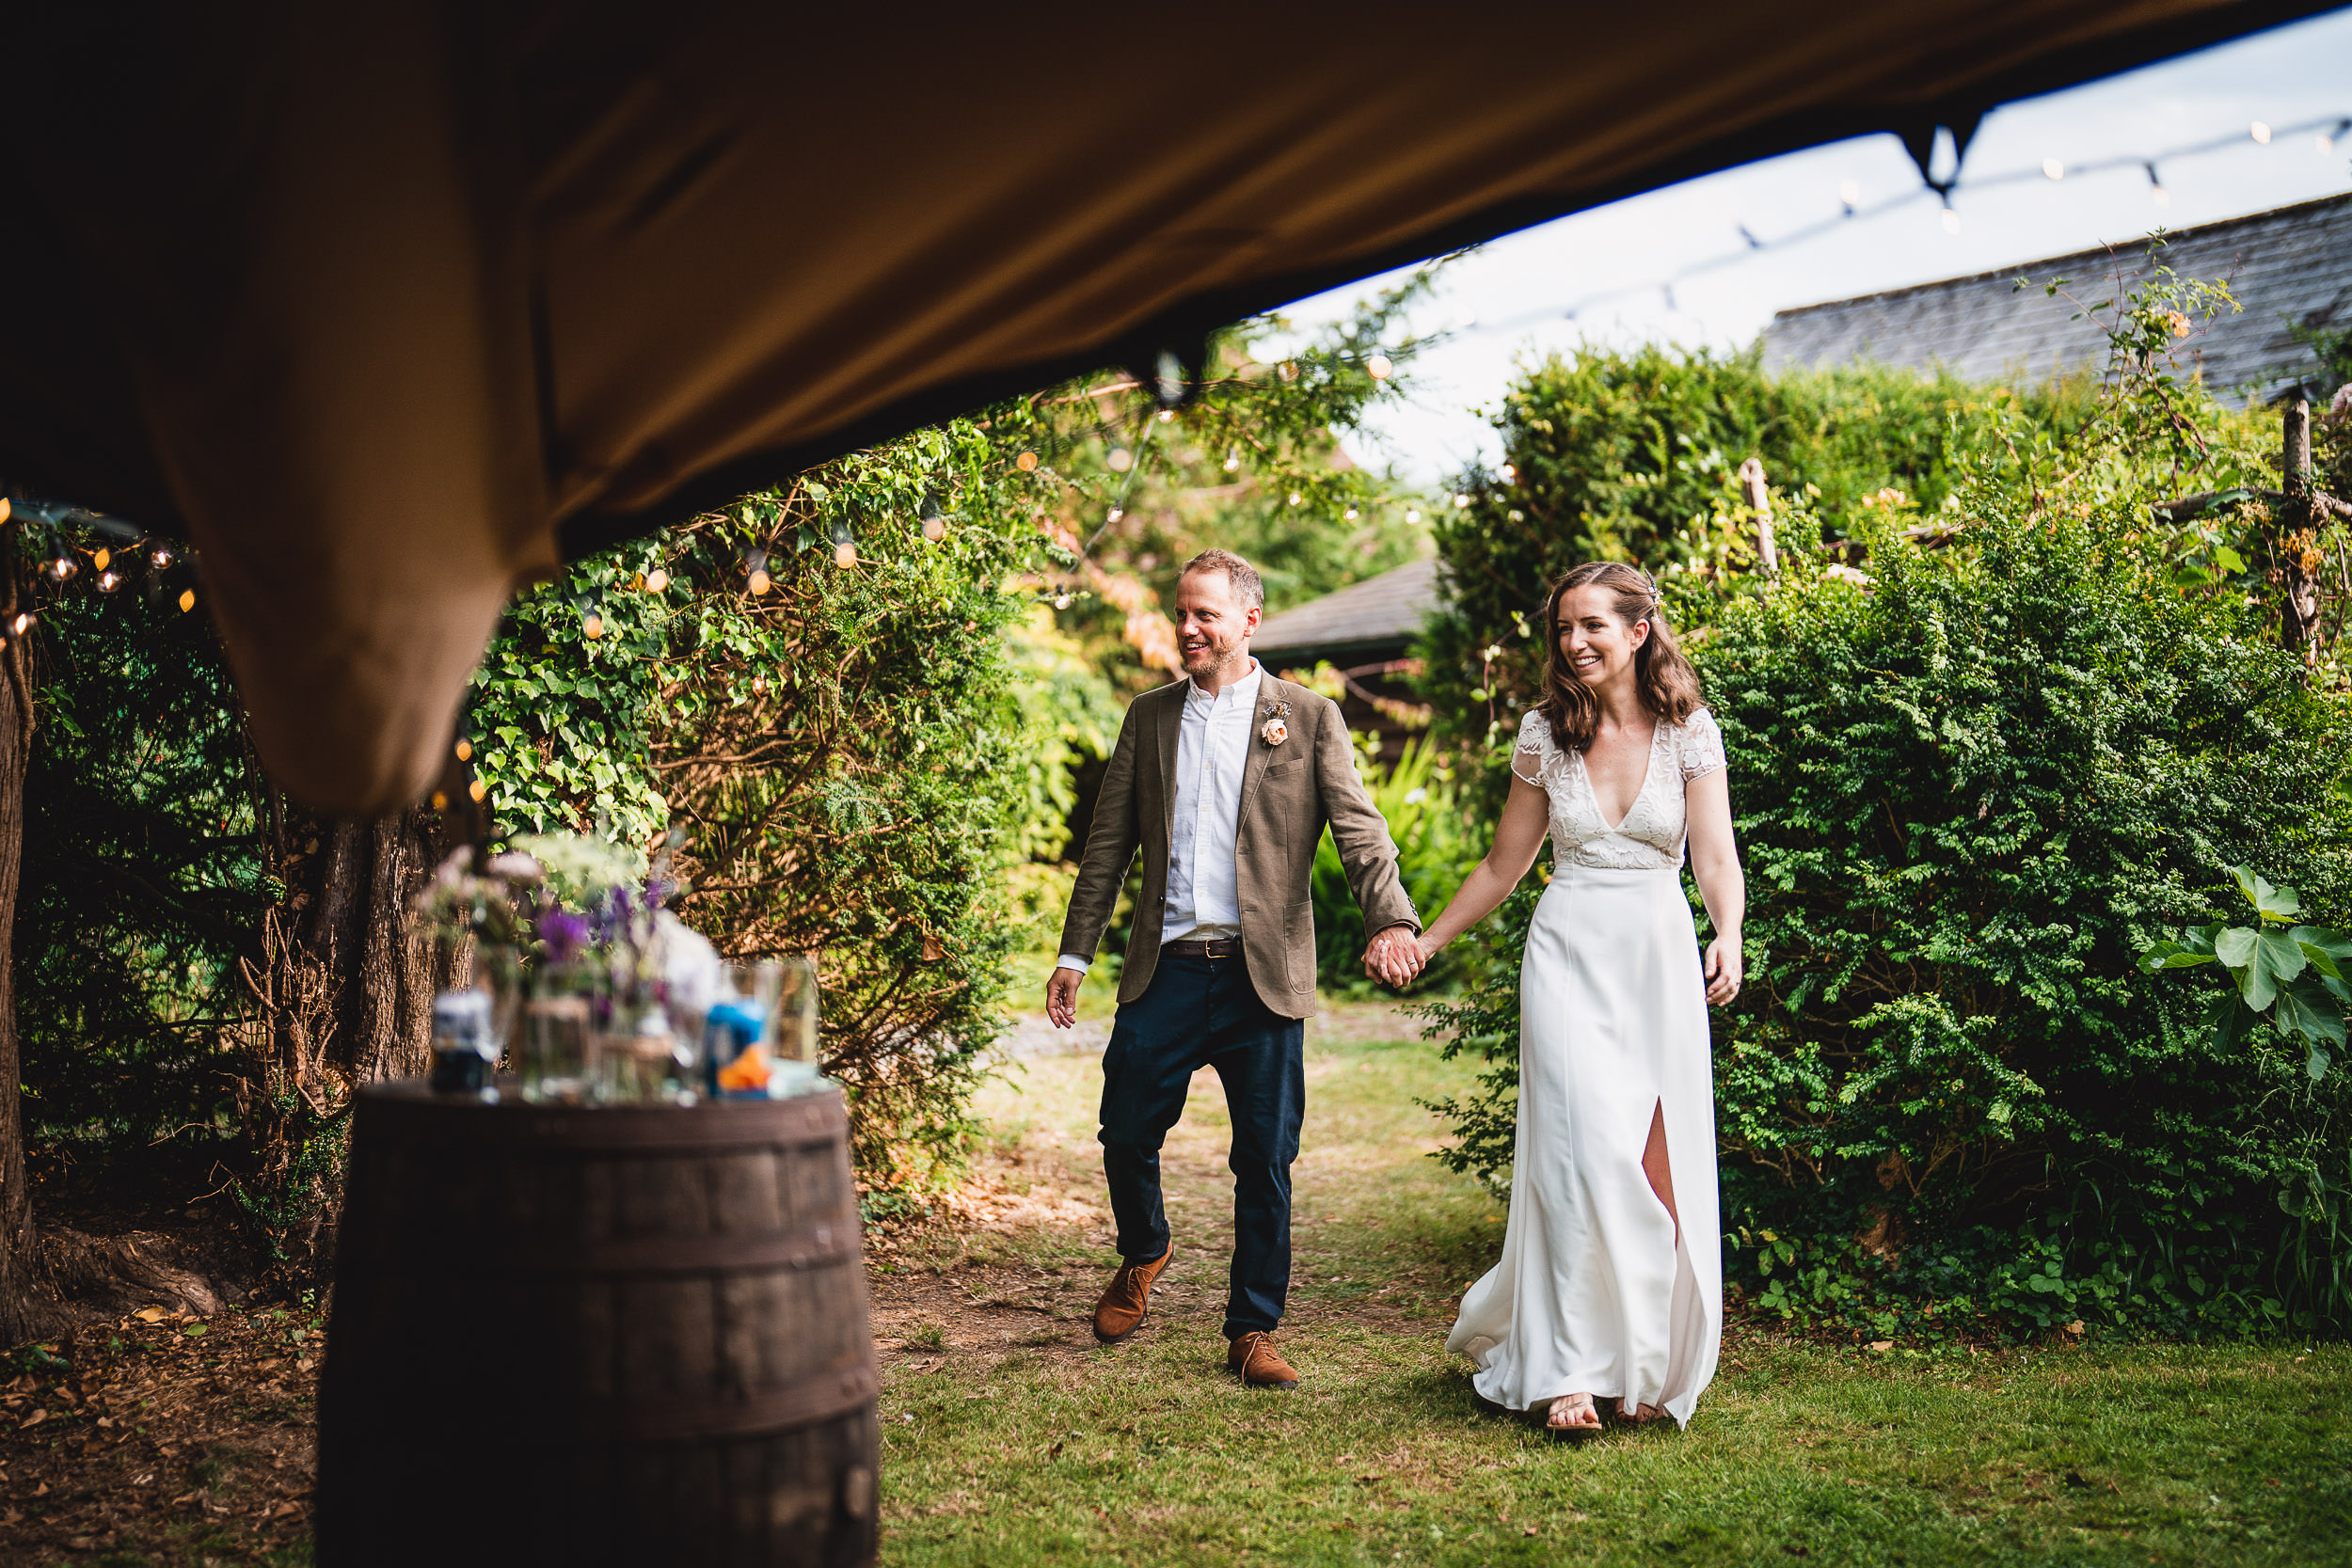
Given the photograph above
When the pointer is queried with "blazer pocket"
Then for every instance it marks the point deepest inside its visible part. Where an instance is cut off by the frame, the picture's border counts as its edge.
(1298, 943)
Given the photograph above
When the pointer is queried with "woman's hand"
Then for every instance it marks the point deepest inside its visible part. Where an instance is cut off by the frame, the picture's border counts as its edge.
(1724, 966)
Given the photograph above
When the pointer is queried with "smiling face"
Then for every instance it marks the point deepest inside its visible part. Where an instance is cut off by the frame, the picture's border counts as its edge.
(1212, 625)
(1596, 646)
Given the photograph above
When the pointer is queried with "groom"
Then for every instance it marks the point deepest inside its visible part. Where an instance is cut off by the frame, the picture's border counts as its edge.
(1226, 781)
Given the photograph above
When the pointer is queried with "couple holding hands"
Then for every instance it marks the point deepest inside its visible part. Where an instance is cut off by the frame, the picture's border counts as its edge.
(1610, 1284)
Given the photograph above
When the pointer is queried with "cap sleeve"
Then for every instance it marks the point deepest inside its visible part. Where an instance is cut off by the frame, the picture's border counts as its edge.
(1531, 759)
(1700, 745)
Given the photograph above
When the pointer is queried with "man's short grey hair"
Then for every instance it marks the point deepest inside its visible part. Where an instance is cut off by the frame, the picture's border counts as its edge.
(1247, 586)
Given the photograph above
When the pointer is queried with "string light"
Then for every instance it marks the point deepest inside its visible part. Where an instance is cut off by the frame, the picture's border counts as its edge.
(162, 556)
(1119, 460)
(1288, 370)
(102, 559)
(1232, 459)
(2053, 170)
(2155, 187)
(759, 581)
(1349, 515)
(478, 790)
(591, 625)
(463, 748)
(61, 568)
(440, 800)
(1412, 513)
(1296, 498)
(109, 581)
(1951, 221)
(1166, 414)
(656, 580)
(934, 529)
(23, 623)
(2260, 131)
(1116, 513)
(1380, 367)
(1850, 195)
(187, 600)
(1511, 472)
(1027, 462)
(1062, 601)
(844, 546)
(1461, 503)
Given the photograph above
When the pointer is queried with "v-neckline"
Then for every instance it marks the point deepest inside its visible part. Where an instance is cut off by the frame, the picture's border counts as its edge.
(1649, 765)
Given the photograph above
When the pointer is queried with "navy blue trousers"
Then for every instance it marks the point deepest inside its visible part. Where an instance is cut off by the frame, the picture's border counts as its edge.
(1204, 1012)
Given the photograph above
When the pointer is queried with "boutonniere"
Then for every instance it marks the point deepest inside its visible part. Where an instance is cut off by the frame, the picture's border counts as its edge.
(1274, 730)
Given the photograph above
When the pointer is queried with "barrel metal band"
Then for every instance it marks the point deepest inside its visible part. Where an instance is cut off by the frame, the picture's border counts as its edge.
(505, 1255)
(822, 1398)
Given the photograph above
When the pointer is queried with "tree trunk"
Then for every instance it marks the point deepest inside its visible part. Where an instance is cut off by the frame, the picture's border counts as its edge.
(342, 997)
(2297, 544)
(27, 1308)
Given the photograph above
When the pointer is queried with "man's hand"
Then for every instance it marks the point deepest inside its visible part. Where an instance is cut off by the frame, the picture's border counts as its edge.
(1394, 956)
(1061, 997)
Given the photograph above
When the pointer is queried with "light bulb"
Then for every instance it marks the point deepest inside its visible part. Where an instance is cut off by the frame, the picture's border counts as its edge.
(2260, 131)
(845, 554)
(61, 568)
(2053, 170)
(1951, 221)
(1232, 459)
(1511, 472)
(1850, 192)
(1166, 414)
(2163, 198)
(1349, 515)
(759, 582)
(1116, 513)
(1380, 367)
(1289, 370)
(109, 581)
(934, 529)
(463, 748)
(439, 800)
(1461, 503)
(2323, 143)
(1412, 513)
(161, 558)
(102, 559)
(591, 625)
(1296, 498)
(1027, 462)
(1120, 460)
(656, 580)
(478, 790)
(1062, 601)
(23, 623)
(760, 686)
(187, 600)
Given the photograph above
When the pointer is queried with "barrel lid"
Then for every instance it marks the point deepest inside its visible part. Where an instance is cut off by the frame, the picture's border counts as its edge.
(407, 1110)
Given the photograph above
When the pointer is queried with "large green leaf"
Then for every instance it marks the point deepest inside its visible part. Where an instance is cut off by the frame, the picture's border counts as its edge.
(2272, 903)
(2260, 962)
(2308, 1009)
(2194, 947)
(2230, 1018)
(2330, 955)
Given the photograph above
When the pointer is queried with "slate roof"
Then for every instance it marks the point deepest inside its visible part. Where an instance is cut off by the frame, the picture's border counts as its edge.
(2288, 264)
(1371, 619)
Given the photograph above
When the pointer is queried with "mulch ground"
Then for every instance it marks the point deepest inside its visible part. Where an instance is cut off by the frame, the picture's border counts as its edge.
(157, 1438)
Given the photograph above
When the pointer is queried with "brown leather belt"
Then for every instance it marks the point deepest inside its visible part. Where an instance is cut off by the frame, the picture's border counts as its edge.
(1220, 947)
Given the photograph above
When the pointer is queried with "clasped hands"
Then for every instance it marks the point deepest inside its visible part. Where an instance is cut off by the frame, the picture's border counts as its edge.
(1395, 957)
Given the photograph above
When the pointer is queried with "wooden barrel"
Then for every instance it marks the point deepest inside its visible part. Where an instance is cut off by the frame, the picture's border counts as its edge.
(627, 1335)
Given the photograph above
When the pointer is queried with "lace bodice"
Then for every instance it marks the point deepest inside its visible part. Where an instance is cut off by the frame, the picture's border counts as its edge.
(1651, 836)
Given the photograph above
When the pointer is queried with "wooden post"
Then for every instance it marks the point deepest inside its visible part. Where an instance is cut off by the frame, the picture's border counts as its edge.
(1760, 502)
(2297, 543)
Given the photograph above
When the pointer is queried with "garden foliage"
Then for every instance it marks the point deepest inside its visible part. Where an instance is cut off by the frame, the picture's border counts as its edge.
(1978, 767)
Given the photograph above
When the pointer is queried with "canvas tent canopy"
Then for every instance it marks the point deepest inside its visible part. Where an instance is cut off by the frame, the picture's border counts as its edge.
(386, 306)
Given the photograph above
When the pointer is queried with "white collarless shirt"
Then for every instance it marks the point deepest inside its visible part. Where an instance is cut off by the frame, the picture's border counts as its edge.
(1212, 751)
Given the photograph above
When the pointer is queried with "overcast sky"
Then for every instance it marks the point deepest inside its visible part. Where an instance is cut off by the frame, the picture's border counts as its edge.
(1519, 289)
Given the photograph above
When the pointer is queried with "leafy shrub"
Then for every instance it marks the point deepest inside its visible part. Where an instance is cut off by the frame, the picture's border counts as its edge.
(1634, 456)
(1437, 846)
(1969, 793)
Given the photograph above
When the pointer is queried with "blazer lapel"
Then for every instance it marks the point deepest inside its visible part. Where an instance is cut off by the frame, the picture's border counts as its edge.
(1269, 690)
(1171, 720)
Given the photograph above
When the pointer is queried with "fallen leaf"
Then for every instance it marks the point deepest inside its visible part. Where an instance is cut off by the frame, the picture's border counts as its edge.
(193, 1330)
(41, 1491)
(106, 1420)
(150, 1314)
(79, 1543)
(35, 1420)
(1882, 1344)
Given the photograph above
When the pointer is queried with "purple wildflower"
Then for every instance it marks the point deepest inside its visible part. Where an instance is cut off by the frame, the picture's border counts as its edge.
(564, 934)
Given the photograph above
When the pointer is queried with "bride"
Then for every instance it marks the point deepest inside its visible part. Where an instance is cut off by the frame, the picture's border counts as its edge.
(1610, 1281)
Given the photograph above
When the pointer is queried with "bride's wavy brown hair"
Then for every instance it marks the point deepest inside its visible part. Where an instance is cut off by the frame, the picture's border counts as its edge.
(1664, 677)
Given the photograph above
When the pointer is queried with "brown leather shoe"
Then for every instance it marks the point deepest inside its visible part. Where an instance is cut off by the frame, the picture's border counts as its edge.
(1122, 1308)
(1252, 1355)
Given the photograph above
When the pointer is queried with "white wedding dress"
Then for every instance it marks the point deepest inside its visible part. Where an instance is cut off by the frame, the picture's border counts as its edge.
(1594, 1293)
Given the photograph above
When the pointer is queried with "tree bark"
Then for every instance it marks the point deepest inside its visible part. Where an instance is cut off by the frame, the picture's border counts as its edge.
(27, 1305)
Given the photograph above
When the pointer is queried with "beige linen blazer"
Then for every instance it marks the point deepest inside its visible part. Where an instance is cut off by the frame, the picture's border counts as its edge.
(1289, 793)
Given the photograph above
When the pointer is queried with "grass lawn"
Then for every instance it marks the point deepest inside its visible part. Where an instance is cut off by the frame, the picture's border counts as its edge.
(1011, 1437)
